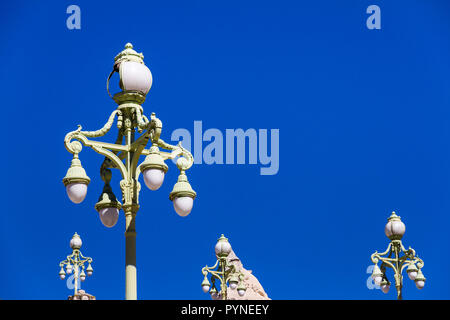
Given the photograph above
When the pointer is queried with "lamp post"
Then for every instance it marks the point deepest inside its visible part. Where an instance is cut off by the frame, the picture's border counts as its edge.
(223, 272)
(135, 82)
(397, 258)
(74, 262)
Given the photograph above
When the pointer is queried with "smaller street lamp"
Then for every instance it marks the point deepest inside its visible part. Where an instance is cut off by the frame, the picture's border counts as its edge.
(223, 271)
(394, 230)
(75, 262)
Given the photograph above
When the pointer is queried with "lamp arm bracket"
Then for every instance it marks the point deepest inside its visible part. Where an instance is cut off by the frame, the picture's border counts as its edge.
(155, 127)
(375, 257)
(177, 150)
(84, 259)
(62, 263)
(230, 271)
(69, 260)
(387, 250)
(75, 147)
(217, 274)
(142, 121)
(388, 262)
(419, 262)
(138, 149)
(410, 253)
(102, 148)
(206, 269)
(406, 264)
(101, 132)
(107, 163)
(113, 157)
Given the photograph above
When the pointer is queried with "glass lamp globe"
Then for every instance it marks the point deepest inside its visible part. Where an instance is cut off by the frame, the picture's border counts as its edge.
(76, 180)
(75, 242)
(420, 280)
(76, 192)
(154, 169)
(107, 206)
(233, 282)
(69, 268)
(135, 76)
(183, 205)
(62, 274)
(412, 271)
(182, 194)
(205, 288)
(109, 216)
(395, 228)
(377, 279)
(205, 285)
(153, 178)
(385, 286)
(214, 294)
(412, 275)
(223, 247)
(241, 289)
(420, 284)
(89, 270)
(82, 275)
(377, 275)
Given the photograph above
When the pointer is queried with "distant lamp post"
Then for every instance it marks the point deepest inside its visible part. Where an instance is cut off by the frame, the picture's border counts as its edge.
(223, 272)
(393, 258)
(75, 262)
(135, 82)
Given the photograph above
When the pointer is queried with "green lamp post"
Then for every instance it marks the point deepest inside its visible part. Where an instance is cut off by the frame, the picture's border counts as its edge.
(75, 262)
(397, 258)
(124, 154)
(224, 272)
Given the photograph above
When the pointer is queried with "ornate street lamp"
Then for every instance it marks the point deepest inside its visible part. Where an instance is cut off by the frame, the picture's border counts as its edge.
(224, 272)
(135, 82)
(394, 230)
(75, 262)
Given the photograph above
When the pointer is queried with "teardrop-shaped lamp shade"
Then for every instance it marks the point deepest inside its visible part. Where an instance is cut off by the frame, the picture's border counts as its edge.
(412, 275)
(135, 76)
(69, 269)
(205, 289)
(420, 284)
(378, 280)
(109, 216)
(76, 192)
(153, 178)
(183, 205)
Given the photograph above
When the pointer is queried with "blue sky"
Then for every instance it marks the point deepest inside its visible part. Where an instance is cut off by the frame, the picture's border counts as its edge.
(364, 129)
